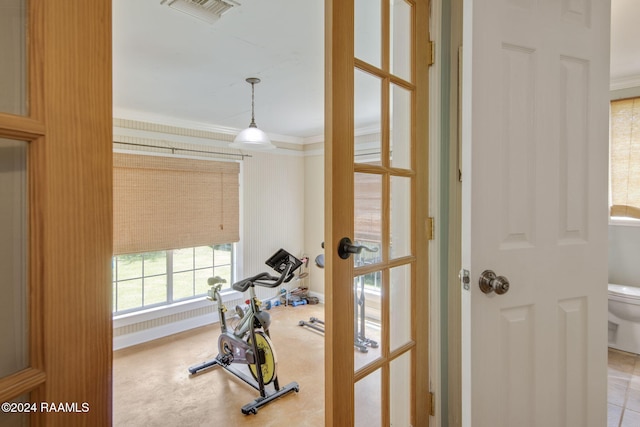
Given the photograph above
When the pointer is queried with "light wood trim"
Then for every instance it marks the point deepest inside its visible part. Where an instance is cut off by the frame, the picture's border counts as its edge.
(37, 205)
(339, 212)
(339, 154)
(380, 170)
(20, 383)
(76, 215)
(35, 59)
(36, 254)
(37, 197)
(18, 127)
(421, 157)
(381, 362)
(379, 72)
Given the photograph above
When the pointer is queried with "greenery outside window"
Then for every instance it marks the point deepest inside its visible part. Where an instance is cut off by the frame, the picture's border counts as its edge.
(153, 279)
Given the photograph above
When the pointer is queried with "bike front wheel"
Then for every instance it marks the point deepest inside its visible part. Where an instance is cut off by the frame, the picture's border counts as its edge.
(270, 364)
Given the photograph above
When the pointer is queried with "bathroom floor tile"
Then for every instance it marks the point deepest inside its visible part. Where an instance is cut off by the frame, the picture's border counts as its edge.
(623, 387)
(619, 379)
(633, 400)
(630, 418)
(634, 382)
(614, 414)
(616, 393)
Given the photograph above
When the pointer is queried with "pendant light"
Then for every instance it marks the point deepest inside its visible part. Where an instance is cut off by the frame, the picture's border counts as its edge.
(252, 138)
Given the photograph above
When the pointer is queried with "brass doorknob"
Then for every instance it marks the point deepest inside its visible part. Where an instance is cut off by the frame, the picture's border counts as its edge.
(489, 282)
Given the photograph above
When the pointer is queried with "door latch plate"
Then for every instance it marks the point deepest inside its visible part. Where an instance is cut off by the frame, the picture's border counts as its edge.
(465, 279)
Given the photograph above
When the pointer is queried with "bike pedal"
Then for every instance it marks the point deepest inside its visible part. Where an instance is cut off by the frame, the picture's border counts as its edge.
(239, 311)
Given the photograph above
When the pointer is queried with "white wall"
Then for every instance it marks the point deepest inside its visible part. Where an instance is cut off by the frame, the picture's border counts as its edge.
(314, 218)
(624, 255)
(273, 206)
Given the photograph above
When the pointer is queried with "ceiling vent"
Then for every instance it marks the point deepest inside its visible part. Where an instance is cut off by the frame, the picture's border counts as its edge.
(207, 10)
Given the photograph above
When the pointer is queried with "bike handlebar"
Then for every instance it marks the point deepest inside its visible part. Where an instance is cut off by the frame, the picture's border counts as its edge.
(259, 279)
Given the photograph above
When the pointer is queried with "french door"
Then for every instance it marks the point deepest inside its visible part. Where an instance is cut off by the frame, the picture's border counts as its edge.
(376, 152)
(55, 139)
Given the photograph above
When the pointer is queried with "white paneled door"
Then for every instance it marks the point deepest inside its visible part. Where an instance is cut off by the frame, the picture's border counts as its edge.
(535, 149)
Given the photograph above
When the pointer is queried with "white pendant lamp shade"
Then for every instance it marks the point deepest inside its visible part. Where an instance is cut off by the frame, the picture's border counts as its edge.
(252, 138)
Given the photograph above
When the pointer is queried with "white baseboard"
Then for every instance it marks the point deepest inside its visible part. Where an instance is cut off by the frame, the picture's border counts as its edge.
(128, 340)
(140, 327)
(153, 333)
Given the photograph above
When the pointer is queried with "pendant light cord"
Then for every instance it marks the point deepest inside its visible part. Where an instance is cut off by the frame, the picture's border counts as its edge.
(253, 120)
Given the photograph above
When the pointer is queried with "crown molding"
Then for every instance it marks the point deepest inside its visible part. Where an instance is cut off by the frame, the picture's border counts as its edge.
(146, 117)
(624, 82)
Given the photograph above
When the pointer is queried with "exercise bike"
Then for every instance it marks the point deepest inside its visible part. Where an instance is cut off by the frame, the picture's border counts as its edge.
(249, 343)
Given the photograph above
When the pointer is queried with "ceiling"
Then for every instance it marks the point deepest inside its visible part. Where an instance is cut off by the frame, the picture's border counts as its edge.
(171, 67)
(625, 40)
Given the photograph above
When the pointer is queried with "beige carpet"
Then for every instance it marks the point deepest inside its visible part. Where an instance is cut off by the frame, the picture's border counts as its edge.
(152, 385)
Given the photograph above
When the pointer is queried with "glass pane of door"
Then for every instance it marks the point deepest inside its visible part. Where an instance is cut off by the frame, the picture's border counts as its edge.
(13, 51)
(368, 217)
(367, 322)
(400, 303)
(400, 384)
(367, 123)
(368, 34)
(368, 399)
(401, 39)
(400, 213)
(400, 138)
(13, 257)
(17, 418)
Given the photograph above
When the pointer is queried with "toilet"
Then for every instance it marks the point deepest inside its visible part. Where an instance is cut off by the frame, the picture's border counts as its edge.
(624, 318)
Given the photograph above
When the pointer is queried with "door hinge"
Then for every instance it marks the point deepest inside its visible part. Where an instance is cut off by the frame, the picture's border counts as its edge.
(432, 404)
(431, 232)
(432, 53)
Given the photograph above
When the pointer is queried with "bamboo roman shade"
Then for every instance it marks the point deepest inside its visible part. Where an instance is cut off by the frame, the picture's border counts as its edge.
(625, 158)
(162, 203)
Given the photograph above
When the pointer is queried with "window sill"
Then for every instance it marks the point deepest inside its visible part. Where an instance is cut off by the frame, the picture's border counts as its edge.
(626, 222)
(167, 310)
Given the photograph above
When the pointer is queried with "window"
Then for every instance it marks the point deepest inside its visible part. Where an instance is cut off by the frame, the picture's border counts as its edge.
(625, 158)
(175, 222)
(152, 279)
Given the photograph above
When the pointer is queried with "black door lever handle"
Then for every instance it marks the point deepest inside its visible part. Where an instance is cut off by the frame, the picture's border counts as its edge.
(346, 247)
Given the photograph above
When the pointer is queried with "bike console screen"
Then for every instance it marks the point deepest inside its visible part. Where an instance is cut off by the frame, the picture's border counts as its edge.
(281, 260)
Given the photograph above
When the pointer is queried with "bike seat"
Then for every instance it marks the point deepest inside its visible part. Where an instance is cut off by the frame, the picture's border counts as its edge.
(212, 281)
